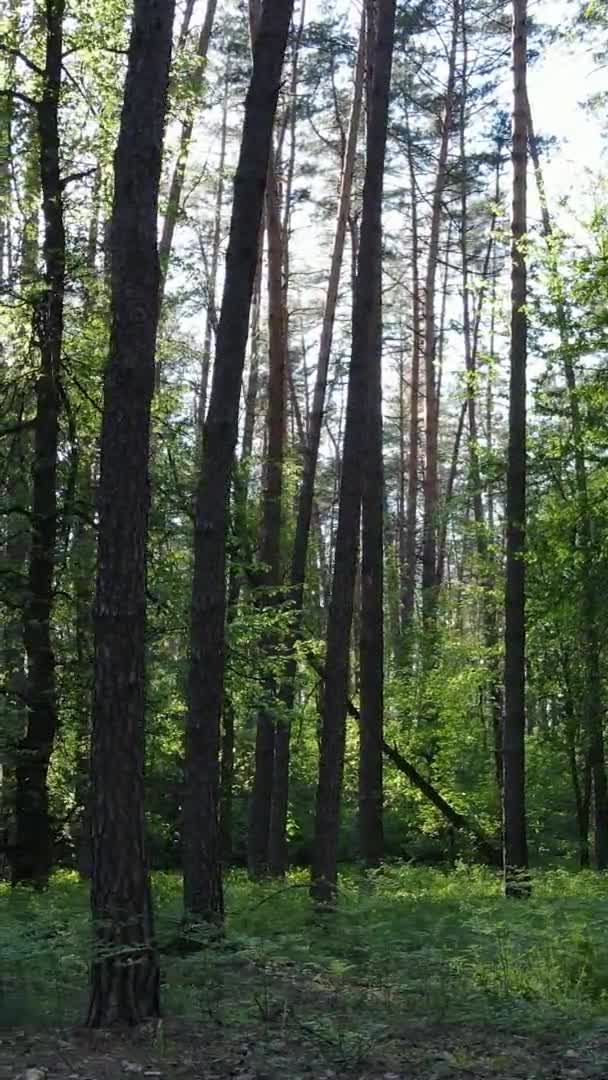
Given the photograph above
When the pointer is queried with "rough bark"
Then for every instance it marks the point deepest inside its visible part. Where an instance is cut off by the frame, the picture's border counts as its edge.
(202, 873)
(124, 972)
(34, 841)
(514, 802)
(371, 640)
(333, 718)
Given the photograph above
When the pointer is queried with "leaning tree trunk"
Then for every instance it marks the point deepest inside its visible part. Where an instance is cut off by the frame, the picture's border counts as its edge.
(333, 717)
(514, 801)
(202, 869)
(34, 842)
(124, 973)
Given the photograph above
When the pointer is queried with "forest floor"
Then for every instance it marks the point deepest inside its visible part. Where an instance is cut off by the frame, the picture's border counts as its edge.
(419, 974)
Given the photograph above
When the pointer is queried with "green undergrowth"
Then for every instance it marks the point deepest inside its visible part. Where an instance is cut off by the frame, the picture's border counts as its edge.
(405, 946)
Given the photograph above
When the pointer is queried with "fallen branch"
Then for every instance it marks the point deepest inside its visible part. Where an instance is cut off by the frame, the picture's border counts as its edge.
(485, 846)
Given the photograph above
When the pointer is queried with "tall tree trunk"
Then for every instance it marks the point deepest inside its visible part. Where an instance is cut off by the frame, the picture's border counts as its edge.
(34, 843)
(251, 395)
(82, 572)
(371, 640)
(270, 546)
(580, 790)
(431, 473)
(179, 169)
(593, 696)
(278, 848)
(489, 614)
(514, 793)
(124, 972)
(215, 256)
(277, 828)
(333, 718)
(202, 872)
(409, 568)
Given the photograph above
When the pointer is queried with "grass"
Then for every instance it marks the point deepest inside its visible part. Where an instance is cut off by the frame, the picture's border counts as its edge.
(408, 945)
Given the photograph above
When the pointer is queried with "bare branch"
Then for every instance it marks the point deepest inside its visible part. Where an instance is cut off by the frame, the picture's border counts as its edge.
(21, 56)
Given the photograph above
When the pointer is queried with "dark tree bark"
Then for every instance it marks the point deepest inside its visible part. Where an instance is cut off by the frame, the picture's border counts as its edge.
(333, 718)
(202, 871)
(34, 841)
(514, 801)
(371, 641)
(124, 972)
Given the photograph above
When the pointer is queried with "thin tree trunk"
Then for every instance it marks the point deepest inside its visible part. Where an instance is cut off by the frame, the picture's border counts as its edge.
(324, 867)
(34, 842)
(181, 161)
(431, 474)
(215, 256)
(202, 871)
(514, 794)
(277, 839)
(581, 792)
(125, 977)
(489, 614)
(278, 847)
(251, 396)
(270, 546)
(409, 569)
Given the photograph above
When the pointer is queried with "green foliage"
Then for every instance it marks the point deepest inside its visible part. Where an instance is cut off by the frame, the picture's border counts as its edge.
(423, 944)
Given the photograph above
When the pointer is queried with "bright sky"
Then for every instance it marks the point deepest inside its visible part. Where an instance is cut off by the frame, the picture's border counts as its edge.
(558, 86)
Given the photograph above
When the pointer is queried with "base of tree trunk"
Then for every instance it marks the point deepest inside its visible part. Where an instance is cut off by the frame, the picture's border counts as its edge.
(124, 992)
(32, 856)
